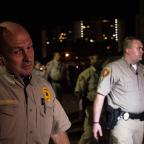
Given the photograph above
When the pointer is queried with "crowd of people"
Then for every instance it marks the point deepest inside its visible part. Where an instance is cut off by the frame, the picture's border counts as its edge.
(110, 94)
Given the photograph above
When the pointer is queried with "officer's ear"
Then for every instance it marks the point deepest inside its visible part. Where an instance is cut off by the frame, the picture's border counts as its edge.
(127, 50)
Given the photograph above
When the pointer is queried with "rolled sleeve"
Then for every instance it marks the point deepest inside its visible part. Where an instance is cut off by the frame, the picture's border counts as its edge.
(105, 82)
(61, 120)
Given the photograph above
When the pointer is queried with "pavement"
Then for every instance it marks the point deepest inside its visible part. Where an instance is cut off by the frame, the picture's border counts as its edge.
(70, 104)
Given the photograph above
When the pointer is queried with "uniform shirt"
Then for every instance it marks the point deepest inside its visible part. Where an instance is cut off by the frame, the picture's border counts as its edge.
(39, 72)
(56, 70)
(87, 82)
(30, 122)
(123, 86)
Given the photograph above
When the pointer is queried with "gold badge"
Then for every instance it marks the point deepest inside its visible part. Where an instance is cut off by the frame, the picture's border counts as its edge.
(46, 94)
(105, 72)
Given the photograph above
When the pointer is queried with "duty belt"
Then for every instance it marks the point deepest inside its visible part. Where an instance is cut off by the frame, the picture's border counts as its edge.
(127, 115)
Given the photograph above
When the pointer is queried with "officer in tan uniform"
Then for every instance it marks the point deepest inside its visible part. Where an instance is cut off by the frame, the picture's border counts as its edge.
(85, 89)
(122, 81)
(29, 111)
(57, 74)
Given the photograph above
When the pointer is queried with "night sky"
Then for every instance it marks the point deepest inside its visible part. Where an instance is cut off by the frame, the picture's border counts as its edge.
(51, 13)
(35, 15)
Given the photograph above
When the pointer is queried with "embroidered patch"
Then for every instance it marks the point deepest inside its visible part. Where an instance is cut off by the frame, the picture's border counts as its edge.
(105, 72)
(46, 94)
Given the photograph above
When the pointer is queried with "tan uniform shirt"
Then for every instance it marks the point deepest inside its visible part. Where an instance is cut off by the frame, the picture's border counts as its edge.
(30, 123)
(56, 70)
(123, 86)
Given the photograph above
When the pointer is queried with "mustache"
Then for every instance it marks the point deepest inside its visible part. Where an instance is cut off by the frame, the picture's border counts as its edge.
(27, 63)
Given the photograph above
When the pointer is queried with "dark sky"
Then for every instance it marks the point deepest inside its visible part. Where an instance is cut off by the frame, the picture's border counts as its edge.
(36, 15)
(39, 14)
(52, 12)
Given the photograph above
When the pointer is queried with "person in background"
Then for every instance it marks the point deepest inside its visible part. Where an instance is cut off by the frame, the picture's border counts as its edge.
(57, 74)
(85, 90)
(29, 110)
(122, 83)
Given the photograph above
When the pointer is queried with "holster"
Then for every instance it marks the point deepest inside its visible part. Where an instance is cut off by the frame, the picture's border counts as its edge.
(142, 117)
(112, 117)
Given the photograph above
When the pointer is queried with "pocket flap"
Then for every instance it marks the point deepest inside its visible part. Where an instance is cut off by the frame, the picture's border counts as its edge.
(8, 107)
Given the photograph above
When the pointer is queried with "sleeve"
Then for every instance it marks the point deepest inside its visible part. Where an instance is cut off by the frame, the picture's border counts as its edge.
(61, 120)
(105, 81)
(82, 82)
(48, 68)
(77, 86)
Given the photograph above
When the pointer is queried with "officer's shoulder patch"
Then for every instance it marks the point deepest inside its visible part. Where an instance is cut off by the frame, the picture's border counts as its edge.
(105, 72)
(46, 94)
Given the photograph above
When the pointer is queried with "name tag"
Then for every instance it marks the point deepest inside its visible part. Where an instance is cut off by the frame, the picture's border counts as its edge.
(8, 102)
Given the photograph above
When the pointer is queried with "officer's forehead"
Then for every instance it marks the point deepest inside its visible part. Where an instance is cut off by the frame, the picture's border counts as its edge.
(11, 29)
(11, 26)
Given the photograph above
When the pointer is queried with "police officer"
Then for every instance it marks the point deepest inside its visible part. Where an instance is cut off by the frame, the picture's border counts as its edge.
(85, 89)
(29, 111)
(122, 81)
(56, 74)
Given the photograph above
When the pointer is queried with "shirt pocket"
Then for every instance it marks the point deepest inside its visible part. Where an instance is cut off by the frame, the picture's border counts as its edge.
(46, 119)
(46, 109)
(7, 120)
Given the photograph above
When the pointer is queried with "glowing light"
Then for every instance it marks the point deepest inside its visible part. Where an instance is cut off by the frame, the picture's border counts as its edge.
(82, 27)
(67, 54)
(76, 57)
(91, 40)
(77, 66)
(108, 47)
(116, 29)
(47, 42)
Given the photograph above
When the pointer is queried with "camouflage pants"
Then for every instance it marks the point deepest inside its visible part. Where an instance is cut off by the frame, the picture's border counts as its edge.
(87, 136)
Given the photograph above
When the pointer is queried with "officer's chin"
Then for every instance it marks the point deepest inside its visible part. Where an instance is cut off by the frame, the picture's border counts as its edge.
(26, 74)
(140, 58)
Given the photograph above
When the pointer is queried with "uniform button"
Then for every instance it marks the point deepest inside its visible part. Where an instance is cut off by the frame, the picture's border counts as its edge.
(30, 110)
(30, 131)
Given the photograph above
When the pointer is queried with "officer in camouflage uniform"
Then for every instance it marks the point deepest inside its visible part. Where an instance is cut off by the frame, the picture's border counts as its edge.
(85, 88)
